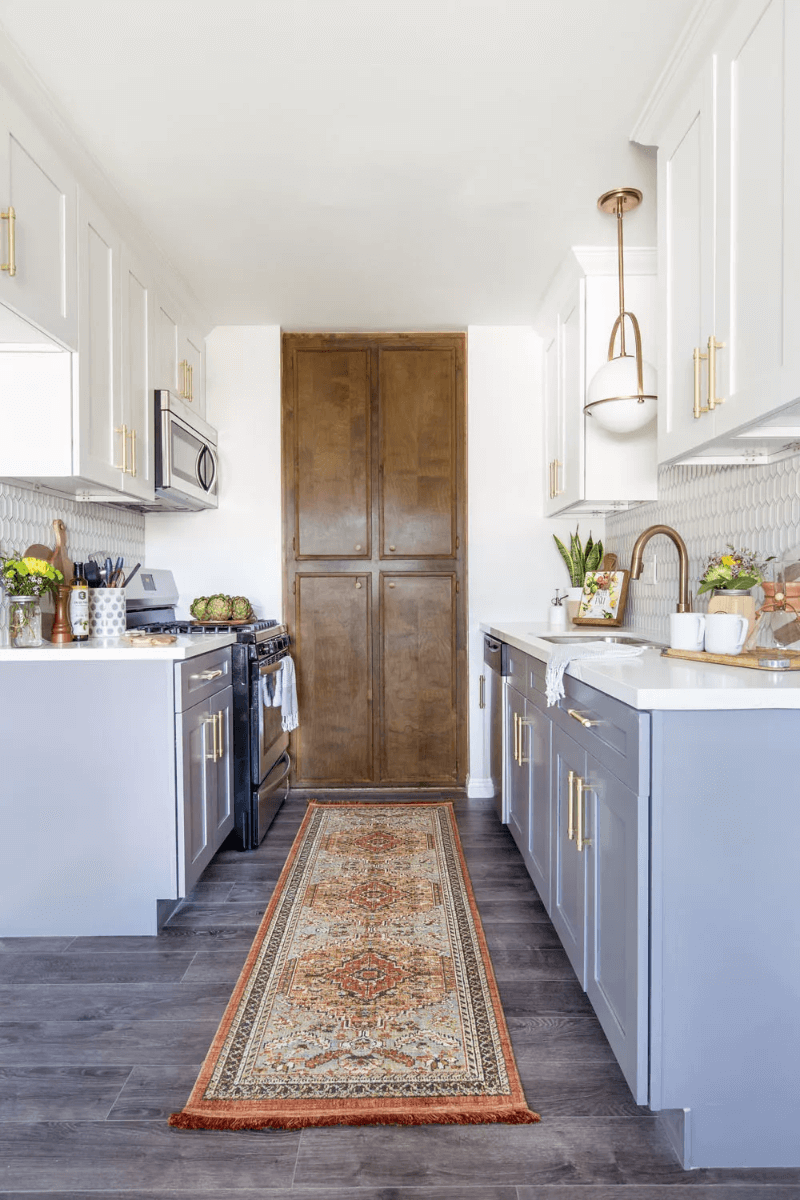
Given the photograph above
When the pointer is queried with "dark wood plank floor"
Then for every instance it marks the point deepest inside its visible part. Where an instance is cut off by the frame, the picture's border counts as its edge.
(101, 1038)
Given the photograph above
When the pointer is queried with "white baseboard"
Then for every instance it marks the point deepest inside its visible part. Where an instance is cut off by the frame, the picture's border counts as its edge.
(479, 789)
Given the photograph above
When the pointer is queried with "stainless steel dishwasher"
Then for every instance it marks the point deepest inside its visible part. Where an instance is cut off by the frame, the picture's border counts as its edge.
(493, 701)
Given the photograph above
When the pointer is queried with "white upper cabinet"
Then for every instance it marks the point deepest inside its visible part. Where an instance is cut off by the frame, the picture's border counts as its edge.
(587, 469)
(137, 392)
(38, 234)
(180, 356)
(729, 194)
(101, 449)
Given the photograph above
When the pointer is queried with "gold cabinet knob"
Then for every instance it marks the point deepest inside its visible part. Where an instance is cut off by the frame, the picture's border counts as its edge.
(392, 547)
(391, 585)
(358, 583)
(358, 546)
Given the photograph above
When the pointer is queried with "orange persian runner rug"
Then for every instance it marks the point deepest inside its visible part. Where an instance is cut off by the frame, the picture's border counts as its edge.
(368, 996)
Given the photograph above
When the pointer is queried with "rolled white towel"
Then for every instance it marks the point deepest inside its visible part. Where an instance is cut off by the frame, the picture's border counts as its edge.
(562, 656)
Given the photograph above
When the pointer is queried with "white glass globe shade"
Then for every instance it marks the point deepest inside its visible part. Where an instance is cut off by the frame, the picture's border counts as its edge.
(619, 378)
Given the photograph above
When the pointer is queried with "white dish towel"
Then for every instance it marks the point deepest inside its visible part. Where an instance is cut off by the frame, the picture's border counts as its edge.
(285, 696)
(562, 656)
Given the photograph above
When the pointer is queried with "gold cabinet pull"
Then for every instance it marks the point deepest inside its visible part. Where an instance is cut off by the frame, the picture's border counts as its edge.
(516, 739)
(358, 583)
(190, 389)
(523, 725)
(133, 452)
(482, 692)
(123, 430)
(207, 675)
(556, 489)
(713, 398)
(697, 359)
(212, 721)
(550, 490)
(11, 216)
(570, 809)
(219, 721)
(581, 789)
(581, 718)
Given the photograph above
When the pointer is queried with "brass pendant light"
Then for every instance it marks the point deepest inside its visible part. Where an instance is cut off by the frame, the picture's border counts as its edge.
(621, 396)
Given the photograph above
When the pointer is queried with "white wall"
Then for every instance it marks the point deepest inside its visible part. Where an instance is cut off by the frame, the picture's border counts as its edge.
(236, 548)
(514, 566)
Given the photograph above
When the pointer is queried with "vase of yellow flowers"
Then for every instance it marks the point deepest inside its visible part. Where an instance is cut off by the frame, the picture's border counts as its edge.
(25, 581)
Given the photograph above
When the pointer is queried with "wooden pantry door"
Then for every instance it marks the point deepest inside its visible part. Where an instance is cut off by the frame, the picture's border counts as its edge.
(374, 501)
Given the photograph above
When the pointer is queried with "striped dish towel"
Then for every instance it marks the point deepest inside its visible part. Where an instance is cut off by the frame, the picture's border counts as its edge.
(562, 656)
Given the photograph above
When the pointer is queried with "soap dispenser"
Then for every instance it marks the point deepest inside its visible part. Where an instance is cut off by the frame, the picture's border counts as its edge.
(558, 612)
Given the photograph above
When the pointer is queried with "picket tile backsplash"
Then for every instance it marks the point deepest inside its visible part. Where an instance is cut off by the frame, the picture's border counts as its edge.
(757, 507)
(27, 515)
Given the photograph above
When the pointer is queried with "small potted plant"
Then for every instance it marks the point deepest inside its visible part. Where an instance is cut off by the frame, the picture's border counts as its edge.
(578, 560)
(734, 573)
(25, 581)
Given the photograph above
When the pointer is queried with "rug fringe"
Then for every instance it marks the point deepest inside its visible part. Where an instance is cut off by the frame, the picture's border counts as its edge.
(184, 1120)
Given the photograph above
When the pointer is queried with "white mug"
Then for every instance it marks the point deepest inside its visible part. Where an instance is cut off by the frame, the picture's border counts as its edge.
(726, 633)
(686, 631)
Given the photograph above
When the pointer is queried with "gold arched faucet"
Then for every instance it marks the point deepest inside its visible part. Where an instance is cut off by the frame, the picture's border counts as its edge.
(684, 600)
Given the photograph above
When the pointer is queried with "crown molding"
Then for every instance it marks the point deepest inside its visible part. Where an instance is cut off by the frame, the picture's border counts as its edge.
(694, 44)
(24, 86)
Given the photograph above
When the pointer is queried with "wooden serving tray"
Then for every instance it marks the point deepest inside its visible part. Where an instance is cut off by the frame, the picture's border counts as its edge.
(750, 658)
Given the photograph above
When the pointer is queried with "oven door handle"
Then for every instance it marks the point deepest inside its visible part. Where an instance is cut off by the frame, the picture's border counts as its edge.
(270, 667)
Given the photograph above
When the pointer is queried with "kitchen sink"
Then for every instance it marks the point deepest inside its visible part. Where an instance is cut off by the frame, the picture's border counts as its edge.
(567, 639)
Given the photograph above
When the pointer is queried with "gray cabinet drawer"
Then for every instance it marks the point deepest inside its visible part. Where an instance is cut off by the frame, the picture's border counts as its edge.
(517, 663)
(617, 735)
(200, 677)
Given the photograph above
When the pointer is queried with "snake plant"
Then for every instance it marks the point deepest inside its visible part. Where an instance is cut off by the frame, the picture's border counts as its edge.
(579, 559)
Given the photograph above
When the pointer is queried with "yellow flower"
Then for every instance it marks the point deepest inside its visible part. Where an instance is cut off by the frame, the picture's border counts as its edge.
(727, 560)
(36, 566)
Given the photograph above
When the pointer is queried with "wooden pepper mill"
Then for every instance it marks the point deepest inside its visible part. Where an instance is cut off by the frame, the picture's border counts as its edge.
(62, 630)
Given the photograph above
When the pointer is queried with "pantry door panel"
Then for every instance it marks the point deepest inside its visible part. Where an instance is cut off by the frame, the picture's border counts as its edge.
(333, 655)
(332, 453)
(418, 679)
(418, 453)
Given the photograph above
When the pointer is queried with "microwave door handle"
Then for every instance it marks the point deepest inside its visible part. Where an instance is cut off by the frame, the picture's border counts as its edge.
(204, 456)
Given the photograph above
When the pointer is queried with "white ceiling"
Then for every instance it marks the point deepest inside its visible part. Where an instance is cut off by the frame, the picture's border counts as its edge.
(360, 163)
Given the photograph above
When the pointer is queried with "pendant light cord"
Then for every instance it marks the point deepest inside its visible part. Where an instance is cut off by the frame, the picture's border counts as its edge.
(621, 271)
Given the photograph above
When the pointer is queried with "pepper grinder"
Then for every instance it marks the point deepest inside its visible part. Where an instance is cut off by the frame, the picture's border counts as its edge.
(558, 613)
(62, 630)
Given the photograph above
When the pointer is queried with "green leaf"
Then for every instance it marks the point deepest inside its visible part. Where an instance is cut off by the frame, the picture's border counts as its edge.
(562, 549)
(593, 557)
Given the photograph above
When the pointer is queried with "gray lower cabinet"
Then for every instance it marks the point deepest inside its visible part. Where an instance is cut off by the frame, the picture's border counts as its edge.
(584, 836)
(205, 777)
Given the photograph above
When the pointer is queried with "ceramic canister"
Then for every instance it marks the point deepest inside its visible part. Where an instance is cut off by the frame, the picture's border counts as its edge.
(107, 615)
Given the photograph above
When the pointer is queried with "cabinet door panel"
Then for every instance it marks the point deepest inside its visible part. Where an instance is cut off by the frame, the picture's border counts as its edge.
(334, 666)
(191, 350)
(538, 856)
(418, 680)
(554, 424)
(166, 348)
(418, 453)
(137, 403)
(517, 770)
(332, 453)
(686, 232)
(195, 745)
(220, 814)
(750, 283)
(568, 475)
(38, 186)
(100, 419)
(617, 920)
(568, 912)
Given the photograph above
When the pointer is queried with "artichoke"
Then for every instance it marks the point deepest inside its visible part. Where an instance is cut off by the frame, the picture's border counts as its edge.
(219, 607)
(199, 608)
(241, 608)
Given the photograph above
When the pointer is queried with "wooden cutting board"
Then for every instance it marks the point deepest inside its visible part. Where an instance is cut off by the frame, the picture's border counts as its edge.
(58, 556)
(752, 658)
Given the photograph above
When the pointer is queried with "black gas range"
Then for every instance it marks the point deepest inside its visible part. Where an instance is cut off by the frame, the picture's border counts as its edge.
(261, 762)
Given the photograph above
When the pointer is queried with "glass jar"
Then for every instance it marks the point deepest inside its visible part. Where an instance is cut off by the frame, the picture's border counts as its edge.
(780, 612)
(25, 621)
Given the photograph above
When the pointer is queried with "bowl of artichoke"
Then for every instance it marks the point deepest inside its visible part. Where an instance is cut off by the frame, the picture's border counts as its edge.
(221, 610)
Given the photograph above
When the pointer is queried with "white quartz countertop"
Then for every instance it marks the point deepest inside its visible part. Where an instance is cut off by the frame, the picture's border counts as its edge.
(651, 681)
(108, 650)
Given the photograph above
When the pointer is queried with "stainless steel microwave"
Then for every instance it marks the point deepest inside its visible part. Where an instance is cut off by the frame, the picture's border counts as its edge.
(186, 457)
